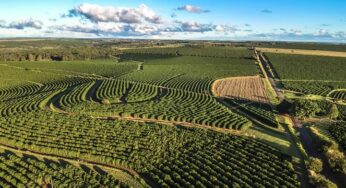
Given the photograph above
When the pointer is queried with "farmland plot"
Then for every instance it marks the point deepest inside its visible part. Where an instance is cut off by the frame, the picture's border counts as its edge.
(160, 122)
(250, 88)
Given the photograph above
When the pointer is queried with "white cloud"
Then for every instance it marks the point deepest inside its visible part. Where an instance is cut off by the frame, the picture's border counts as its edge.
(145, 29)
(120, 21)
(226, 28)
(219, 28)
(192, 9)
(193, 26)
(22, 24)
(97, 13)
(297, 35)
(110, 29)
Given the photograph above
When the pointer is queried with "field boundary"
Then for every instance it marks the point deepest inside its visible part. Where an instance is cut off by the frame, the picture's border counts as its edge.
(251, 88)
(302, 52)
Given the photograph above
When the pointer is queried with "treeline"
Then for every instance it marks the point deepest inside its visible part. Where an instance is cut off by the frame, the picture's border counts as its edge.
(59, 54)
(190, 50)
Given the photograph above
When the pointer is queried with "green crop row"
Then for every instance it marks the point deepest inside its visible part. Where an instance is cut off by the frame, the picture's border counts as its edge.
(18, 171)
(168, 155)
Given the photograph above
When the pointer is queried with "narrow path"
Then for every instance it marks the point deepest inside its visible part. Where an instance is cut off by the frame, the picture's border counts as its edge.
(53, 103)
(91, 94)
(123, 98)
(269, 75)
(170, 123)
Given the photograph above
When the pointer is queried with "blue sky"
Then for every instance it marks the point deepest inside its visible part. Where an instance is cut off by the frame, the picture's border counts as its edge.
(293, 20)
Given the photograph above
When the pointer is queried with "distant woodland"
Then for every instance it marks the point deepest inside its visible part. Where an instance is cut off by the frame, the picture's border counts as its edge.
(58, 54)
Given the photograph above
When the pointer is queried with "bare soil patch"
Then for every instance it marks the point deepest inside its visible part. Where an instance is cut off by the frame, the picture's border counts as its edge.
(249, 87)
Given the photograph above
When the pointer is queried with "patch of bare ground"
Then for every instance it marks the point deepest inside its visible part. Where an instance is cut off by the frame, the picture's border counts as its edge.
(248, 87)
(303, 52)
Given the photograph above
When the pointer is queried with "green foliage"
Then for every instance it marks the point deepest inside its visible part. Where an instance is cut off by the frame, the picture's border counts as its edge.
(338, 130)
(161, 152)
(319, 181)
(305, 108)
(333, 112)
(168, 104)
(58, 54)
(342, 112)
(339, 94)
(105, 102)
(94, 68)
(310, 67)
(191, 73)
(174, 88)
(314, 87)
(262, 112)
(315, 164)
(303, 46)
(336, 158)
(18, 171)
(202, 51)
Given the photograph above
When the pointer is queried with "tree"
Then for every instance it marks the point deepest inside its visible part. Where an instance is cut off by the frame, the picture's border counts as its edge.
(30, 57)
(320, 181)
(315, 165)
(105, 102)
(38, 57)
(333, 112)
(305, 108)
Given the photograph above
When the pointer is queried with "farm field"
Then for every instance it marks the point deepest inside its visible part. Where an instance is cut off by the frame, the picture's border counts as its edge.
(310, 67)
(317, 75)
(311, 46)
(145, 116)
(248, 88)
(175, 116)
(304, 52)
(313, 82)
(178, 94)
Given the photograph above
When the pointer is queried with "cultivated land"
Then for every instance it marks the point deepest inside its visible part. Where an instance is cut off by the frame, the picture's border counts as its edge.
(165, 114)
(248, 88)
(303, 52)
(318, 81)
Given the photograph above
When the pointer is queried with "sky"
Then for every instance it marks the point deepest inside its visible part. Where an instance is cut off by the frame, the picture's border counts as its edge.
(272, 20)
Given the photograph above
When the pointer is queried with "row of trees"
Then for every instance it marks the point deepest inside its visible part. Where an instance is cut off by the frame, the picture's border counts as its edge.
(304, 108)
(315, 167)
(59, 54)
(331, 151)
(30, 172)
(205, 156)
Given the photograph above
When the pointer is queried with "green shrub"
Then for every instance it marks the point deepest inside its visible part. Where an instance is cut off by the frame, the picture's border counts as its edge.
(319, 181)
(105, 102)
(303, 108)
(315, 164)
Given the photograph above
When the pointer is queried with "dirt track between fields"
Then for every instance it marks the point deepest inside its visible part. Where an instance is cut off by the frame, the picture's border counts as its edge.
(303, 52)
